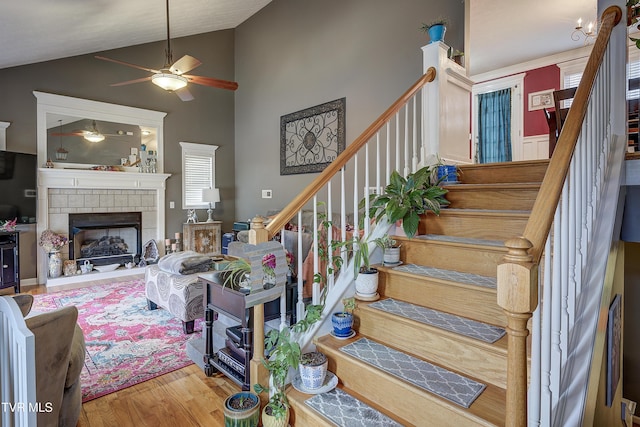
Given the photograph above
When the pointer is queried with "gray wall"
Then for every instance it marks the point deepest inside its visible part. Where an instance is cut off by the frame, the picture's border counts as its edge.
(208, 119)
(292, 55)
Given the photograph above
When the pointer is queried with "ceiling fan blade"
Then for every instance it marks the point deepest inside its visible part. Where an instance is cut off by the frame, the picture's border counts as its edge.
(139, 67)
(67, 134)
(128, 82)
(184, 65)
(209, 81)
(184, 94)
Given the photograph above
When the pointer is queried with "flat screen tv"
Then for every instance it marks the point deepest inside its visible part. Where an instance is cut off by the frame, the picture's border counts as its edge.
(18, 183)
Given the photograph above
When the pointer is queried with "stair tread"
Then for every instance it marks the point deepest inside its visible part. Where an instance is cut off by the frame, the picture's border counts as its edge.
(446, 384)
(449, 275)
(457, 239)
(447, 321)
(344, 409)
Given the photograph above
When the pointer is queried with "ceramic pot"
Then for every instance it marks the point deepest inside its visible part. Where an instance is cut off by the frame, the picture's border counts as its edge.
(367, 283)
(342, 323)
(242, 410)
(271, 421)
(391, 255)
(55, 264)
(448, 174)
(436, 33)
(313, 369)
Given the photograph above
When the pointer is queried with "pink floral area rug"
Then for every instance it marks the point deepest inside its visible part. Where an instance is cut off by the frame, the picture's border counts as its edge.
(126, 343)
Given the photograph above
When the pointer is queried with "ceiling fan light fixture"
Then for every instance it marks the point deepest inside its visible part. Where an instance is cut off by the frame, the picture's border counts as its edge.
(94, 137)
(168, 81)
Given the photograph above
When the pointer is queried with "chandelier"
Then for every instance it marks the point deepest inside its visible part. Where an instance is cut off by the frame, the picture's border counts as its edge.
(589, 33)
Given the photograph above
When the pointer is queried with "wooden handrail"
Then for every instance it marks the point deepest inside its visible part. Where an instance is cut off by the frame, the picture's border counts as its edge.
(304, 196)
(539, 224)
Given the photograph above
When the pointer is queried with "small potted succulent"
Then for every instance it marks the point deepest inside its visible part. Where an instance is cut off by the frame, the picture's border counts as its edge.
(242, 409)
(436, 29)
(342, 321)
(391, 249)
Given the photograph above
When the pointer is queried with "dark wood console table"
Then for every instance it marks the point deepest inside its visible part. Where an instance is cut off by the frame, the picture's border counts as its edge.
(9, 260)
(237, 306)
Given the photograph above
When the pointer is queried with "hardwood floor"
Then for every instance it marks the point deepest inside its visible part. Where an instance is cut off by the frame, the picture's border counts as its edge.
(182, 398)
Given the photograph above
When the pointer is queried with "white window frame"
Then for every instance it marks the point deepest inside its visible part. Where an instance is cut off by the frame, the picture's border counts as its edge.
(199, 150)
(516, 83)
(568, 72)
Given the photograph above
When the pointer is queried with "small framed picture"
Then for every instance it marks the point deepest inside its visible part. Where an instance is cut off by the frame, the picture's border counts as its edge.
(134, 151)
(541, 99)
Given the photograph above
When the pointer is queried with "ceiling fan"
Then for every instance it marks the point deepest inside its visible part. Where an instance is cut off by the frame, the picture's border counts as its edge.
(92, 134)
(171, 77)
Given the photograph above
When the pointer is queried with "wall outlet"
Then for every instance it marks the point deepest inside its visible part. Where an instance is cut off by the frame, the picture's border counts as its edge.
(172, 205)
(374, 190)
(266, 194)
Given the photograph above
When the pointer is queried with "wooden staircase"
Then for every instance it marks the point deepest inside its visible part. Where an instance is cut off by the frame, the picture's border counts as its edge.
(491, 204)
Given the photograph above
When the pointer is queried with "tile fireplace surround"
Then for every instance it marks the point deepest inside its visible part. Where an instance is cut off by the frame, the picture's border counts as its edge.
(65, 191)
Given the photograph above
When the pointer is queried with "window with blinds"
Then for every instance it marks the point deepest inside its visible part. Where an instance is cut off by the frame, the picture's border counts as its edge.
(633, 72)
(570, 80)
(198, 173)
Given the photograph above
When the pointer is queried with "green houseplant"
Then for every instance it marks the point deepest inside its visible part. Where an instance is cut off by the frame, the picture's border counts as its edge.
(391, 249)
(406, 198)
(235, 273)
(283, 354)
(365, 276)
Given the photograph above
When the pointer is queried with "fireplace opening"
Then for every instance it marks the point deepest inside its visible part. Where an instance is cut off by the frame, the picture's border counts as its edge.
(105, 238)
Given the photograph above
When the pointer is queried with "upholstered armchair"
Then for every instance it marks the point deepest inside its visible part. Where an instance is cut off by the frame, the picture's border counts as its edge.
(59, 357)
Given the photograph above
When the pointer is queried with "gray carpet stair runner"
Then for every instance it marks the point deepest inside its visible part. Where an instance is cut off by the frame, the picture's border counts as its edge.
(450, 275)
(450, 322)
(345, 410)
(446, 384)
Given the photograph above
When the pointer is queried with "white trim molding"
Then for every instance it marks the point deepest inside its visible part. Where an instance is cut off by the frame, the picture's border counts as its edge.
(516, 83)
(3, 135)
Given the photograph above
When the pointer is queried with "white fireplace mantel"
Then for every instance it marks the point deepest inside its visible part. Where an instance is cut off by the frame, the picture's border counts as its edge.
(95, 180)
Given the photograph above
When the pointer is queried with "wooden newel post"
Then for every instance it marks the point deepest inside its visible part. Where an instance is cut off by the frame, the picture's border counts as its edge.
(258, 373)
(518, 296)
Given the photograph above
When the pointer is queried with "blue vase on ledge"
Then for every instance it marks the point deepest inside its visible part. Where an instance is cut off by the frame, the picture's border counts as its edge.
(436, 33)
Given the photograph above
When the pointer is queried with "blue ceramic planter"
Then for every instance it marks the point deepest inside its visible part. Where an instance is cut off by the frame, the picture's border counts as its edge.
(448, 174)
(342, 324)
(436, 33)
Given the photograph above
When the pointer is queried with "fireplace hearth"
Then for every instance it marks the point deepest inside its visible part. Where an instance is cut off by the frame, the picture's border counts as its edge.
(105, 238)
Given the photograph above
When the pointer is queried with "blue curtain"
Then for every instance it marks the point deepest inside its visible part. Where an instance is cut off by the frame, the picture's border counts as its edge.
(494, 126)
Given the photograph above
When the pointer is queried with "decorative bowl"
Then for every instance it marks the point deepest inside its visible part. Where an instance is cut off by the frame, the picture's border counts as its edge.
(105, 268)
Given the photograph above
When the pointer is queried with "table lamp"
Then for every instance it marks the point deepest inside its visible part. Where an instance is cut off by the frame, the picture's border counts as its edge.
(210, 195)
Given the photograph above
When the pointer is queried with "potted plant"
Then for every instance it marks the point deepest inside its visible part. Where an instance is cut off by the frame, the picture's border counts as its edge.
(406, 198)
(391, 249)
(235, 274)
(313, 369)
(436, 29)
(242, 409)
(365, 276)
(284, 353)
(342, 321)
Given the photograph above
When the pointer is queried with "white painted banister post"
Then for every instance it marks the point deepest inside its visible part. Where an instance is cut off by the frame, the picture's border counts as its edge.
(446, 129)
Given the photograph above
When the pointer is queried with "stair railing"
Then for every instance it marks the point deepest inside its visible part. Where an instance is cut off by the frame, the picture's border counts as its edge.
(583, 172)
(394, 141)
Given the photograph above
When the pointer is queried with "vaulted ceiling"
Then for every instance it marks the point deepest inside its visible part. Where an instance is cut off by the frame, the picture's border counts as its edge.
(500, 33)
